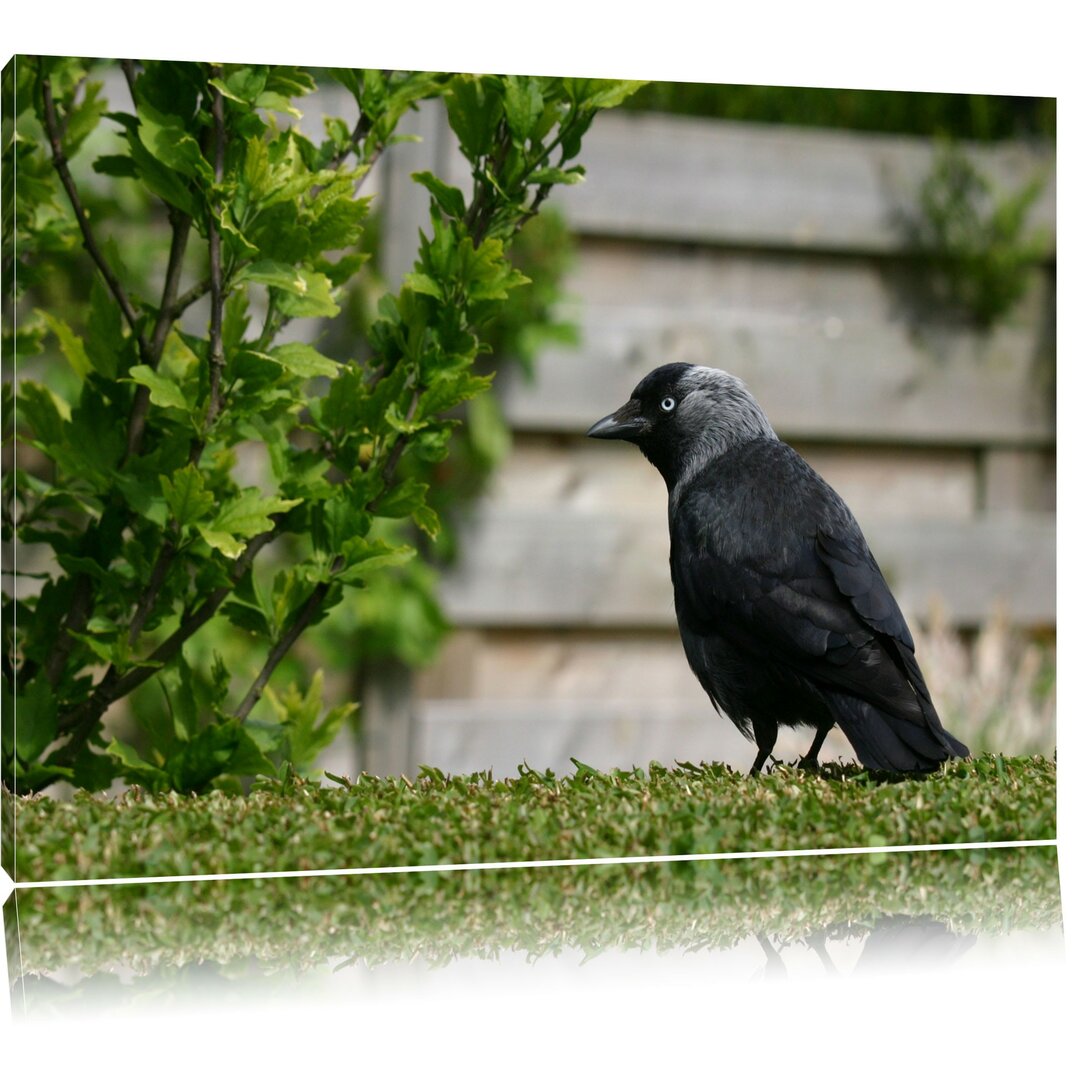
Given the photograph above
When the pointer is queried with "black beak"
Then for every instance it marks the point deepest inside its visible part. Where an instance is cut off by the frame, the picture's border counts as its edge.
(624, 423)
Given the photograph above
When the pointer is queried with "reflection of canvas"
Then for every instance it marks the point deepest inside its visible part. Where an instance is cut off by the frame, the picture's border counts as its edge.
(911, 915)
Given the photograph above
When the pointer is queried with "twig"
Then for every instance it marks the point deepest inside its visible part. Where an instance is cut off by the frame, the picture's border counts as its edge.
(363, 126)
(78, 615)
(217, 298)
(181, 229)
(284, 644)
(153, 587)
(196, 292)
(400, 445)
(128, 67)
(59, 158)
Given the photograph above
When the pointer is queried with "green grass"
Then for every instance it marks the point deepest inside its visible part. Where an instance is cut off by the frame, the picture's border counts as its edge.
(693, 809)
(263, 926)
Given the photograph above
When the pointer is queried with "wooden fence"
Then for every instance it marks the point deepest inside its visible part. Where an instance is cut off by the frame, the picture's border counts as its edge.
(781, 255)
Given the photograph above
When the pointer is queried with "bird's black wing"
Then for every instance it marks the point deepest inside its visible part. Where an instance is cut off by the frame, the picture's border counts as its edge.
(784, 571)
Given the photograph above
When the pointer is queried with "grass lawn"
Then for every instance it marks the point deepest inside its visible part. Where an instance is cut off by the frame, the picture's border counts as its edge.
(692, 809)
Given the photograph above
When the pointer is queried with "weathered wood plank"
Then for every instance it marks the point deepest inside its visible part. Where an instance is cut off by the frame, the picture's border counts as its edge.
(1018, 481)
(836, 351)
(467, 736)
(877, 482)
(561, 665)
(762, 185)
(536, 568)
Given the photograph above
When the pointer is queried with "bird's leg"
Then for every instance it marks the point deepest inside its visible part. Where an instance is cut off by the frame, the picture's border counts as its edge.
(765, 737)
(810, 760)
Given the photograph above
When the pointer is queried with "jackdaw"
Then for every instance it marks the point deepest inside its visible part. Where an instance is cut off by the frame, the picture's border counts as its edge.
(783, 611)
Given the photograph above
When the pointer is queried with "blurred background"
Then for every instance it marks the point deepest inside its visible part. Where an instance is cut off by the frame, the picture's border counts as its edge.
(879, 267)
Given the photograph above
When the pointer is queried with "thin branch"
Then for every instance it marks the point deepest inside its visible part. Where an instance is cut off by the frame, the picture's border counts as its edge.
(283, 645)
(359, 132)
(59, 158)
(217, 297)
(153, 587)
(181, 230)
(270, 327)
(401, 444)
(128, 67)
(195, 293)
(167, 311)
(78, 615)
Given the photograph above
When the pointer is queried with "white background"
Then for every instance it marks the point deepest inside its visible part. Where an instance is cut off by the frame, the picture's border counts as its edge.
(1015, 1021)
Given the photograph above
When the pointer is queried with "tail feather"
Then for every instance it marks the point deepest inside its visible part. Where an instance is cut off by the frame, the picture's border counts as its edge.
(887, 742)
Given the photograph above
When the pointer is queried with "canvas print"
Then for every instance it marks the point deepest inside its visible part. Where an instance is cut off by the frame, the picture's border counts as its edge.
(411, 468)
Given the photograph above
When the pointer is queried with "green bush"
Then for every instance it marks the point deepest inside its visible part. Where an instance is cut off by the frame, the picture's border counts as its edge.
(976, 240)
(985, 117)
(131, 473)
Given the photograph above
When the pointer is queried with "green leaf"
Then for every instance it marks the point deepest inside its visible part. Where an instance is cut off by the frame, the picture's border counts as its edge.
(473, 108)
(161, 180)
(186, 495)
(602, 93)
(167, 140)
(243, 84)
(524, 104)
(267, 272)
(299, 714)
(313, 300)
(143, 494)
(277, 103)
(451, 389)
(243, 517)
(448, 198)
(93, 772)
(204, 758)
(559, 176)
(249, 758)
(422, 283)
(71, 345)
(104, 331)
(396, 422)
(363, 557)
(44, 412)
(35, 719)
(304, 360)
(116, 165)
(82, 118)
(109, 651)
(426, 519)
(133, 768)
(402, 499)
(163, 391)
(247, 616)
(301, 292)
(340, 518)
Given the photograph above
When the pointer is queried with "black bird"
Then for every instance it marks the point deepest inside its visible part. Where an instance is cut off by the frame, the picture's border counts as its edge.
(783, 611)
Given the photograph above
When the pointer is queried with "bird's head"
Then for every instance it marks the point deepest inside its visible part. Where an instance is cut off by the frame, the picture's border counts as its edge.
(682, 417)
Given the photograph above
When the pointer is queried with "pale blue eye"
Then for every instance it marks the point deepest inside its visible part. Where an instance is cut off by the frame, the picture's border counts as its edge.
(668, 404)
